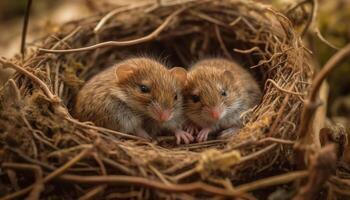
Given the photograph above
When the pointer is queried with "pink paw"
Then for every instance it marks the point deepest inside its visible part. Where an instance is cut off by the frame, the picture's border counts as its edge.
(183, 135)
(191, 128)
(203, 135)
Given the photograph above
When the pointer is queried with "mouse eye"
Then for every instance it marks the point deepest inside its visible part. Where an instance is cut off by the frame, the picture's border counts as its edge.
(195, 98)
(144, 89)
(175, 97)
(223, 93)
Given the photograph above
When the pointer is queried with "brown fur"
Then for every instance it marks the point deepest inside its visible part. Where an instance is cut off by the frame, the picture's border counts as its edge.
(120, 105)
(207, 78)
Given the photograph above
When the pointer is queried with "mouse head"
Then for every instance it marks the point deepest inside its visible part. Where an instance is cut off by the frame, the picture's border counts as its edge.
(210, 94)
(151, 89)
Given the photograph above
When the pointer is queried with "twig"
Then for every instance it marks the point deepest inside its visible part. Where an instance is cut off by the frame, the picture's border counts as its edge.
(118, 166)
(249, 24)
(296, 6)
(306, 144)
(188, 187)
(178, 188)
(257, 153)
(309, 107)
(321, 168)
(262, 62)
(103, 129)
(124, 195)
(246, 51)
(277, 140)
(70, 163)
(320, 36)
(38, 185)
(221, 42)
(92, 193)
(184, 174)
(311, 18)
(99, 189)
(117, 11)
(16, 90)
(132, 180)
(25, 26)
(149, 37)
(243, 159)
(61, 152)
(161, 176)
(52, 175)
(271, 181)
(233, 23)
(13, 179)
(71, 34)
(25, 72)
(22, 114)
(208, 18)
(282, 89)
(65, 44)
(29, 159)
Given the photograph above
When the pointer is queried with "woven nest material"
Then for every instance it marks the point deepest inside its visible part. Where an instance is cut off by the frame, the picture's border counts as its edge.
(42, 146)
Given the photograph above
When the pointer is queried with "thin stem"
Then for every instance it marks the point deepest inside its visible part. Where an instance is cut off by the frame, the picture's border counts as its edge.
(25, 26)
(271, 181)
(117, 11)
(149, 37)
(34, 78)
(187, 187)
(53, 174)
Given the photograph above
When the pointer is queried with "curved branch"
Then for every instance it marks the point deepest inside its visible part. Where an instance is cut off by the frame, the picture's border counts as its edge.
(52, 175)
(117, 11)
(310, 104)
(186, 187)
(149, 37)
(312, 17)
(25, 72)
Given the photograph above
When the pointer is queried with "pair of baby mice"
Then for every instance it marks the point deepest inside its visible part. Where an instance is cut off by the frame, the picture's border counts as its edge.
(141, 96)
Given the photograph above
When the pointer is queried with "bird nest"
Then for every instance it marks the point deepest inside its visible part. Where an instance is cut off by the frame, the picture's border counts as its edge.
(46, 153)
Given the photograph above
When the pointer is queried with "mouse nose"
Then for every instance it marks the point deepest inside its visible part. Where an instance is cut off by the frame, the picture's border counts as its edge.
(215, 113)
(164, 115)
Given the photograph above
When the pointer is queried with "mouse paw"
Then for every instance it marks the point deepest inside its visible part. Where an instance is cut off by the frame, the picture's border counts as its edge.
(183, 135)
(228, 132)
(191, 128)
(142, 133)
(203, 135)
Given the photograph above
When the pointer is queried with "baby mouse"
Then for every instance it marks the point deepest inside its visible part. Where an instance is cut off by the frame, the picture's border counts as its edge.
(218, 91)
(137, 96)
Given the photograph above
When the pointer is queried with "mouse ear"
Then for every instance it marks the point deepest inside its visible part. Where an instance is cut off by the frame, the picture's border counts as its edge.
(180, 75)
(124, 71)
(228, 74)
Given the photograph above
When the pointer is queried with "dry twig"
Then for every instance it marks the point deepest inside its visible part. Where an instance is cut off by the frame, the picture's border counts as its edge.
(306, 137)
(149, 37)
(25, 26)
(322, 166)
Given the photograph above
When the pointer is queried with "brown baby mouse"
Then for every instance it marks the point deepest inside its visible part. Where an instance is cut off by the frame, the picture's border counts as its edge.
(137, 96)
(218, 91)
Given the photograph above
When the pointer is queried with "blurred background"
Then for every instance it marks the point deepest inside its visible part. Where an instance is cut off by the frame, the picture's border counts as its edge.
(333, 21)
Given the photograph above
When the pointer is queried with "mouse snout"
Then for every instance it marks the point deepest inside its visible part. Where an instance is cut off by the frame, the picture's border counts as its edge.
(215, 113)
(161, 114)
(164, 115)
